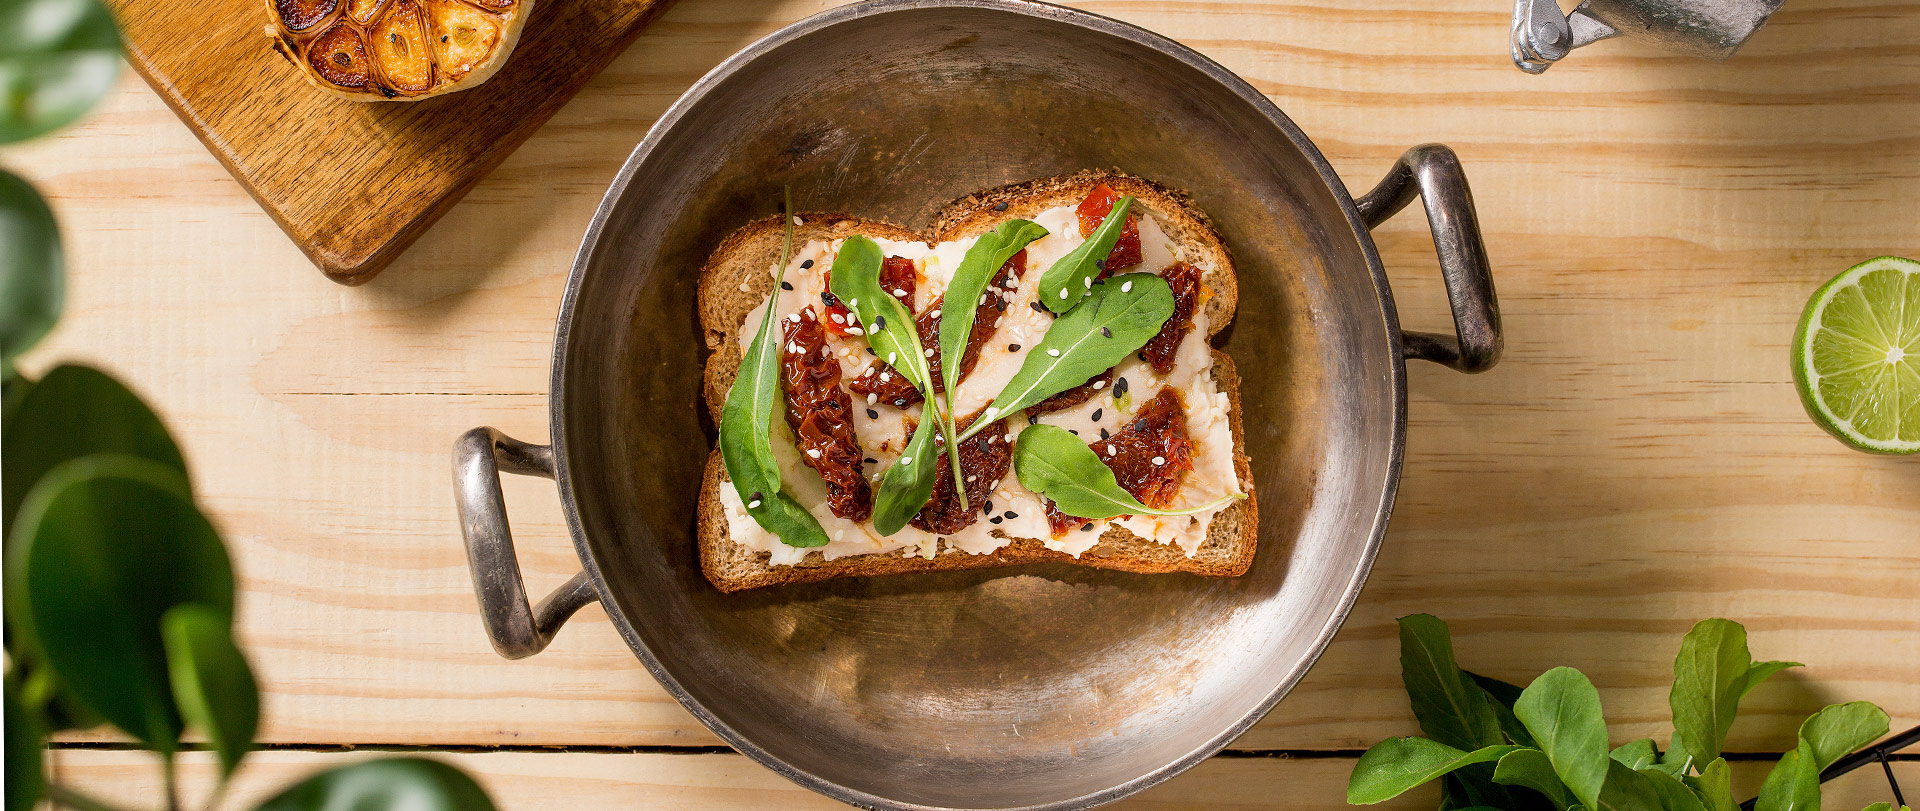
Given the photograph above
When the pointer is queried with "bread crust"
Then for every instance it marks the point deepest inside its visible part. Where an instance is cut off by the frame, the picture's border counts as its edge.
(733, 282)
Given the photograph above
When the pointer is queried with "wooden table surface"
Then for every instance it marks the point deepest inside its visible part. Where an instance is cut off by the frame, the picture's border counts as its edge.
(1637, 462)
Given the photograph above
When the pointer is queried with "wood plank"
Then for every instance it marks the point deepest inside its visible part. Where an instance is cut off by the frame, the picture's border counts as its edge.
(582, 781)
(1637, 462)
(352, 183)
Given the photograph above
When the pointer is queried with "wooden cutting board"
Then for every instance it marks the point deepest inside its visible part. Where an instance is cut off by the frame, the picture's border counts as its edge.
(354, 183)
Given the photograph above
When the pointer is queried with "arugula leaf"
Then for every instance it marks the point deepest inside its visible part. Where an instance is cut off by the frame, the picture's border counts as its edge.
(1759, 671)
(1627, 790)
(1450, 709)
(908, 483)
(889, 330)
(1714, 786)
(1708, 676)
(1122, 314)
(1529, 768)
(1395, 765)
(1562, 711)
(1637, 755)
(1070, 279)
(1884, 806)
(991, 251)
(1054, 463)
(1827, 736)
(1500, 696)
(746, 431)
(1674, 795)
(1676, 759)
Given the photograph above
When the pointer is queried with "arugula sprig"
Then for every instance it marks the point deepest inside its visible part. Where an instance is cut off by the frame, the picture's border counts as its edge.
(1558, 757)
(746, 428)
(1070, 279)
(1051, 461)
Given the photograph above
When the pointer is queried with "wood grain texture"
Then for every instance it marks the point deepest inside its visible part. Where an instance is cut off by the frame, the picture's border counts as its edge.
(354, 183)
(1638, 461)
(583, 781)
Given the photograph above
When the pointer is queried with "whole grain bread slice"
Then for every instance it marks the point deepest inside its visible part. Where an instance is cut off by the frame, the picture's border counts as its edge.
(737, 279)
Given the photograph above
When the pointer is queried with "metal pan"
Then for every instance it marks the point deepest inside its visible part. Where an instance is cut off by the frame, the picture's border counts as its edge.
(1048, 686)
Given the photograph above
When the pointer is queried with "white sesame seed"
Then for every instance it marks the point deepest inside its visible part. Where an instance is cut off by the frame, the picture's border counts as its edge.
(1099, 384)
(794, 348)
(983, 299)
(1054, 352)
(813, 453)
(1089, 281)
(898, 292)
(906, 460)
(838, 318)
(1012, 284)
(1063, 292)
(853, 302)
(754, 504)
(1110, 450)
(1009, 439)
(886, 376)
(795, 318)
(873, 398)
(934, 314)
(891, 357)
(971, 479)
(798, 221)
(744, 288)
(996, 322)
(1126, 286)
(853, 330)
(929, 351)
(991, 413)
(1159, 460)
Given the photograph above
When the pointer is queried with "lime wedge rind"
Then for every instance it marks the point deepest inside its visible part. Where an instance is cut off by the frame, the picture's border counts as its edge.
(1856, 356)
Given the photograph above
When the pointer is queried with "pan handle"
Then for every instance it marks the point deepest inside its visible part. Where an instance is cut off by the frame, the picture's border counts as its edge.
(517, 629)
(1432, 172)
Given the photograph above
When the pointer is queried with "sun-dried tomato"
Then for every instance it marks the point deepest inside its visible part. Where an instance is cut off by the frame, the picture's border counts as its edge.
(985, 458)
(895, 390)
(1160, 349)
(1073, 396)
(897, 277)
(1148, 456)
(821, 415)
(1126, 250)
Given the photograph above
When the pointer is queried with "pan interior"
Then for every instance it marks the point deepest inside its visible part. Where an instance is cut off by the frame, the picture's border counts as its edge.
(1049, 684)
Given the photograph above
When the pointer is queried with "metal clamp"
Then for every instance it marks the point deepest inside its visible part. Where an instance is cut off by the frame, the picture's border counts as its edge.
(1708, 29)
(1432, 172)
(518, 630)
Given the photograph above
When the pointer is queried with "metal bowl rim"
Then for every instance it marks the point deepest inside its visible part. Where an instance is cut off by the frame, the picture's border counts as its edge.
(596, 231)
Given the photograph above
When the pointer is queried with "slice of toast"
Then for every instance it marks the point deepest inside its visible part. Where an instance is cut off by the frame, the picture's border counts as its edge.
(736, 280)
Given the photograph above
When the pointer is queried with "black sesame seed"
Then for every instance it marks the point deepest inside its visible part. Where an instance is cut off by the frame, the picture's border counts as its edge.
(1119, 387)
(872, 461)
(1106, 333)
(1100, 263)
(1012, 515)
(1013, 347)
(1086, 527)
(786, 286)
(806, 265)
(871, 352)
(1001, 303)
(879, 322)
(1033, 419)
(900, 401)
(1000, 206)
(872, 414)
(995, 519)
(828, 297)
(1073, 432)
(989, 507)
(755, 497)
(1104, 434)
(1037, 307)
(1096, 414)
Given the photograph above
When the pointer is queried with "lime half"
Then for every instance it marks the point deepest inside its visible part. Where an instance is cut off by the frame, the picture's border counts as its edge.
(1856, 356)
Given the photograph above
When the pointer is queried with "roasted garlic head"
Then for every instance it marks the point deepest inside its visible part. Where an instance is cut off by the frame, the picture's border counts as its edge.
(396, 50)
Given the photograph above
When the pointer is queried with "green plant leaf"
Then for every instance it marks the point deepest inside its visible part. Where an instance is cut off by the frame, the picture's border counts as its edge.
(1450, 708)
(1838, 729)
(1472, 786)
(1759, 672)
(1676, 759)
(1714, 786)
(121, 532)
(746, 430)
(212, 685)
(1395, 765)
(32, 278)
(1562, 711)
(886, 324)
(1793, 784)
(1501, 696)
(983, 261)
(1121, 315)
(1529, 768)
(1884, 806)
(908, 483)
(1069, 281)
(1627, 790)
(57, 59)
(1708, 678)
(1826, 736)
(26, 748)
(1051, 461)
(1636, 755)
(1674, 795)
(414, 784)
(72, 412)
